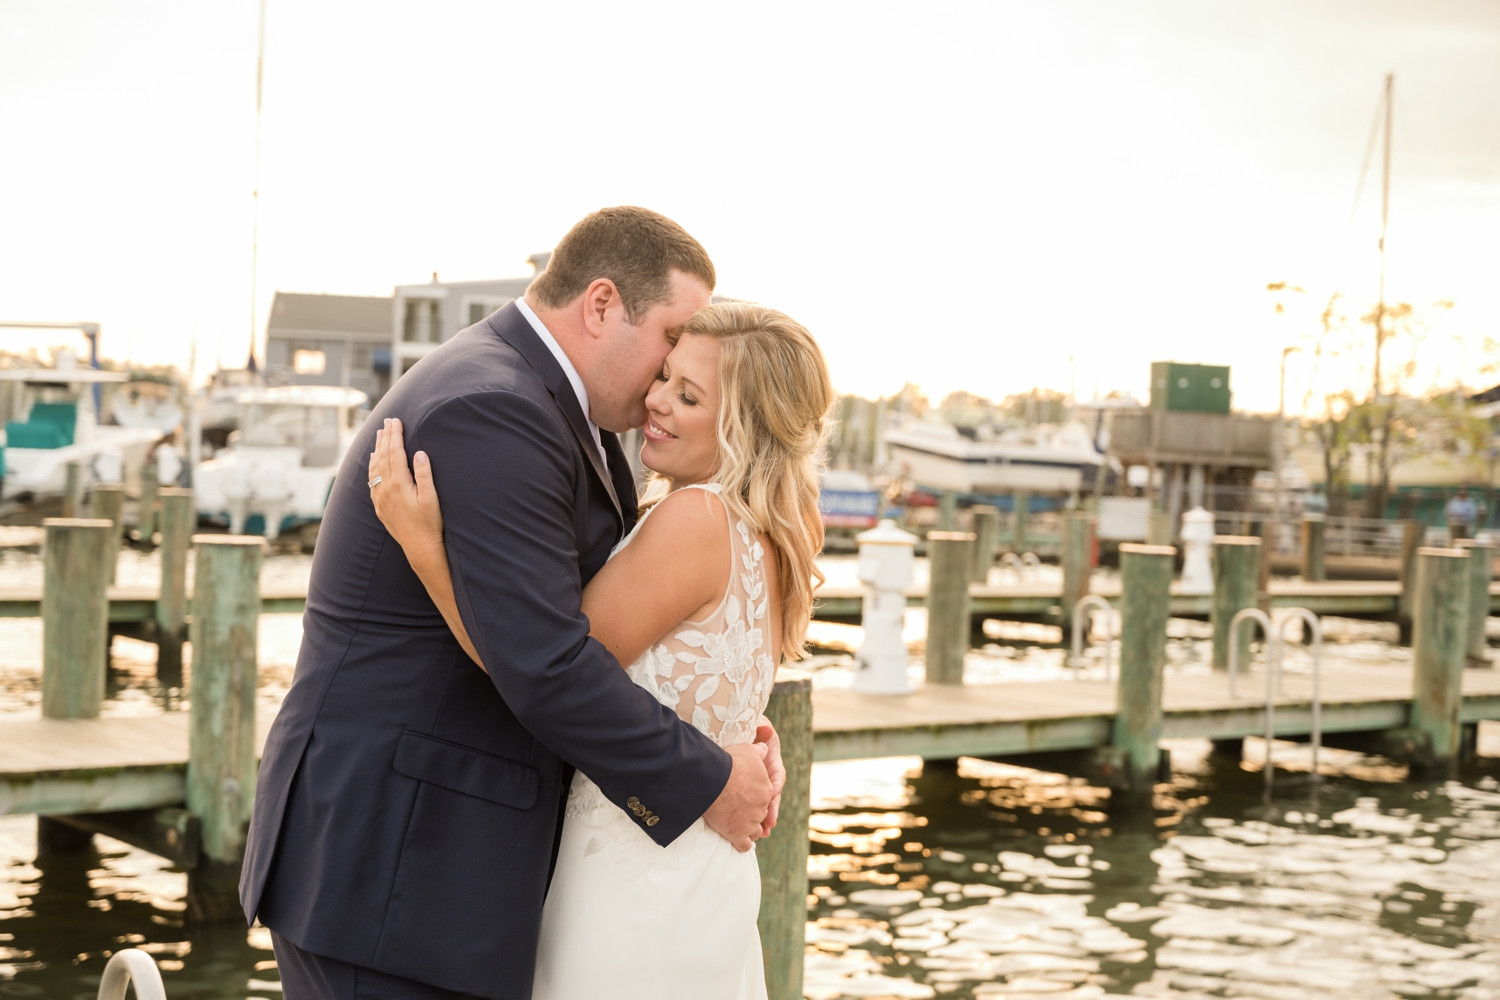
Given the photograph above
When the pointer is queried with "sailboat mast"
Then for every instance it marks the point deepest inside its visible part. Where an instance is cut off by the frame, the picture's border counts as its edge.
(1385, 215)
(260, 62)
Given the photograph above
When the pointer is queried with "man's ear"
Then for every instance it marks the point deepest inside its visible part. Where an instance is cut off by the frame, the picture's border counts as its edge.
(599, 301)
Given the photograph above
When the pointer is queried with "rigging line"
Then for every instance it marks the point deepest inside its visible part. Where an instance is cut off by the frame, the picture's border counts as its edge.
(1364, 168)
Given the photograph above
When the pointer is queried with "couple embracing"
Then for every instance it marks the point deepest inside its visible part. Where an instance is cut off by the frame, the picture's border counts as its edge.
(523, 754)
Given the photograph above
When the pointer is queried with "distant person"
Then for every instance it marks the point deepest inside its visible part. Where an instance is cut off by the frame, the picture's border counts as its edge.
(1462, 513)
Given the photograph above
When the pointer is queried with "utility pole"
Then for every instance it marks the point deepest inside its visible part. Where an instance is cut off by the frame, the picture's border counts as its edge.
(260, 62)
(1385, 216)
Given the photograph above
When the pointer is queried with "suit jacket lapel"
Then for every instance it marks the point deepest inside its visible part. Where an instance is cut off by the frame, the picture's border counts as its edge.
(513, 328)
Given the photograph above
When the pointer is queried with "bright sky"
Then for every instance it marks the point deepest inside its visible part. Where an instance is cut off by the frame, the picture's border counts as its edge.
(987, 196)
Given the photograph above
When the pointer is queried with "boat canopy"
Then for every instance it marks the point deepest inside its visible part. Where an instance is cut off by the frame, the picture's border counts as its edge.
(300, 395)
(60, 376)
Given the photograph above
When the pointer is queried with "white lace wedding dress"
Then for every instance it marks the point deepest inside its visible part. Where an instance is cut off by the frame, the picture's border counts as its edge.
(626, 918)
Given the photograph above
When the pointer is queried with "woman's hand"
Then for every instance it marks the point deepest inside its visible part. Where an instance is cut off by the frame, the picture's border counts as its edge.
(405, 501)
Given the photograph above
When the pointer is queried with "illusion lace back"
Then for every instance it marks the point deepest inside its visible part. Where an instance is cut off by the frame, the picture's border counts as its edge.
(717, 673)
(626, 918)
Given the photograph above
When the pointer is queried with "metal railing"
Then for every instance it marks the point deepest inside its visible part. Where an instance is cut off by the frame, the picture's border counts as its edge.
(131, 966)
(1274, 641)
(1342, 536)
(1110, 636)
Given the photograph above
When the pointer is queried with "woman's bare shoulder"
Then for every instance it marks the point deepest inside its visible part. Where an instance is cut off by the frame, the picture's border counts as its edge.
(687, 517)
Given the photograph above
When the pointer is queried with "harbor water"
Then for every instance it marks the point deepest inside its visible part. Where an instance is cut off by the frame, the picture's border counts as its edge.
(970, 879)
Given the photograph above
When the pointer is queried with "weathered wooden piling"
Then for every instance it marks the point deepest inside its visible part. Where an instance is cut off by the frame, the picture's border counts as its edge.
(1481, 569)
(1412, 535)
(178, 519)
(221, 740)
(951, 555)
(1020, 507)
(145, 518)
(108, 503)
(1440, 616)
(783, 855)
(948, 510)
(986, 534)
(1145, 596)
(73, 490)
(75, 617)
(1077, 560)
(1314, 533)
(1236, 587)
(1159, 528)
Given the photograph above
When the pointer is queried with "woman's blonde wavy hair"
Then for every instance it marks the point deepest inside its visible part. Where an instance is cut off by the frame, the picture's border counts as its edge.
(775, 403)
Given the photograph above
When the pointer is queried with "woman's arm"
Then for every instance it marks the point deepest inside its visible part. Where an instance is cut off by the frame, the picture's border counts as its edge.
(676, 568)
(407, 505)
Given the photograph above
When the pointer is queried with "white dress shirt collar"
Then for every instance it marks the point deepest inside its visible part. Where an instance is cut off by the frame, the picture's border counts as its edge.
(574, 379)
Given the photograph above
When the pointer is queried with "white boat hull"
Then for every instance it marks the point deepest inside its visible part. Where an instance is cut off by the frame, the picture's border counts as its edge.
(988, 474)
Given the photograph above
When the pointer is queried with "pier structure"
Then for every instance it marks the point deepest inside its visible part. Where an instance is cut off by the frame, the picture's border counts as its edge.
(180, 784)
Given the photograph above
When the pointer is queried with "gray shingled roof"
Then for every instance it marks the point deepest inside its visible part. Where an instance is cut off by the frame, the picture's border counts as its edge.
(332, 313)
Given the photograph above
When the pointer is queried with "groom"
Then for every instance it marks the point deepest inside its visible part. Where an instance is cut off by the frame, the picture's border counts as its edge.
(408, 802)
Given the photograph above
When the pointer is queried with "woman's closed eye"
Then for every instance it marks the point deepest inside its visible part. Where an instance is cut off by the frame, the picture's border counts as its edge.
(686, 399)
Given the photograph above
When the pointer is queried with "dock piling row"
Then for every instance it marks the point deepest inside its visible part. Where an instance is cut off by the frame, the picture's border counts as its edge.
(221, 742)
(1236, 587)
(948, 621)
(108, 503)
(178, 519)
(986, 534)
(1440, 614)
(145, 519)
(1145, 582)
(1077, 560)
(783, 855)
(1314, 534)
(1481, 567)
(75, 616)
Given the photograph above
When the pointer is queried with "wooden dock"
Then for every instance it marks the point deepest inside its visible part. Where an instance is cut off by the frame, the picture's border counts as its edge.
(113, 764)
(129, 605)
(1346, 598)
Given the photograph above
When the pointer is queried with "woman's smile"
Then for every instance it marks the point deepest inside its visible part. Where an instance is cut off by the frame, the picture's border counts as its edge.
(656, 432)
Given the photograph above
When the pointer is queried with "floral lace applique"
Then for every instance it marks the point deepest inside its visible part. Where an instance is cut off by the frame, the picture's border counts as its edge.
(716, 674)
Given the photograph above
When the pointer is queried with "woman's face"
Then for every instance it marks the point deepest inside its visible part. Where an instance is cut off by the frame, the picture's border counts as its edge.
(682, 413)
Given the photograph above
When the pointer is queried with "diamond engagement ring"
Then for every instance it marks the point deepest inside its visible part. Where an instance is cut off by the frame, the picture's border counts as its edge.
(376, 481)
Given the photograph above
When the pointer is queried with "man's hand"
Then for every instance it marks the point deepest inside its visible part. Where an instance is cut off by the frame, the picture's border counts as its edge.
(765, 733)
(739, 812)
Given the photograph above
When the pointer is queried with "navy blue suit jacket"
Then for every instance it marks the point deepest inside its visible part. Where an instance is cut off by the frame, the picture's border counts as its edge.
(408, 804)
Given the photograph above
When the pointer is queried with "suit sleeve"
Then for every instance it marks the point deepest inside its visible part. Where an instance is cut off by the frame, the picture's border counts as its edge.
(506, 477)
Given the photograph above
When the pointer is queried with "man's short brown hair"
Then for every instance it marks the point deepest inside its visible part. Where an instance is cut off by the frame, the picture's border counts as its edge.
(636, 248)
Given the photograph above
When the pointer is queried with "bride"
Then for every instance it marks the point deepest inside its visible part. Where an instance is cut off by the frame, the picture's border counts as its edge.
(705, 595)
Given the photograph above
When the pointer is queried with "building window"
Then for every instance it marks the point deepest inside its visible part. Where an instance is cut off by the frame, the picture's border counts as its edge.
(422, 324)
(308, 362)
(361, 358)
(380, 360)
(480, 308)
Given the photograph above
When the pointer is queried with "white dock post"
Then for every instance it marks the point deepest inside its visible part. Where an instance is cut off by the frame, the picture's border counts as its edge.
(885, 569)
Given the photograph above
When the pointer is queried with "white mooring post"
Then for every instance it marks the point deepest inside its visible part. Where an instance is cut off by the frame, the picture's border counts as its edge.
(885, 568)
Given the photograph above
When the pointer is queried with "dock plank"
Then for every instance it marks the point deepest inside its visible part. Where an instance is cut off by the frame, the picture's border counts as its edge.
(73, 766)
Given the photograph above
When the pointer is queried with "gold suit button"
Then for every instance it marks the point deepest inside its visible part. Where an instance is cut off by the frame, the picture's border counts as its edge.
(632, 802)
(638, 809)
(653, 821)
